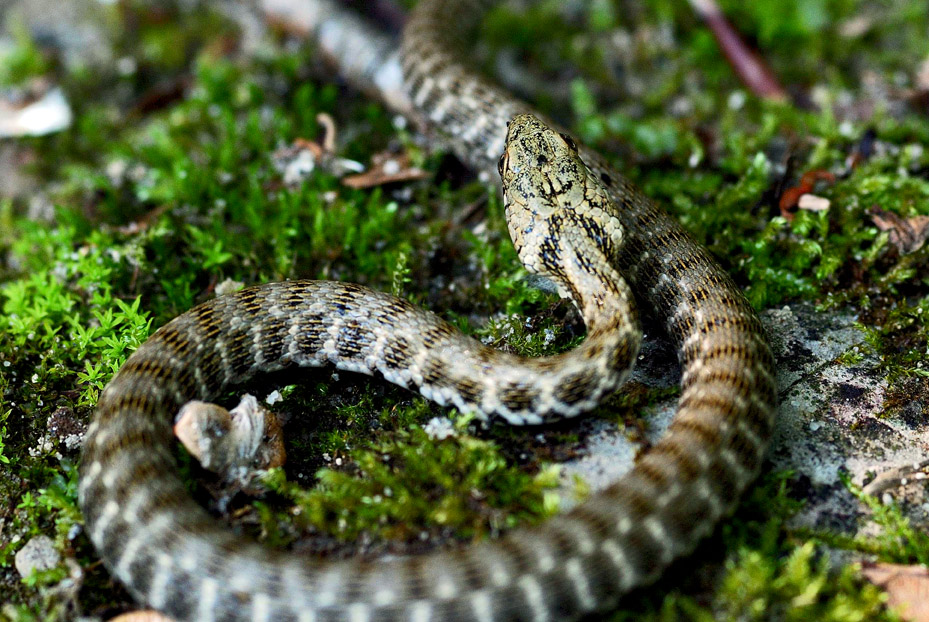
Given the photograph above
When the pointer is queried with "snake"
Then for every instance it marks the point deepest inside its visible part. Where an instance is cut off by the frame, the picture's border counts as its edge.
(574, 220)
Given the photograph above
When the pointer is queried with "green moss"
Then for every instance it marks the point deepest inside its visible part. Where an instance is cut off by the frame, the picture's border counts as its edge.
(407, 484)
(799, 587)
(23, 60)
(770, 572)
(897, 541)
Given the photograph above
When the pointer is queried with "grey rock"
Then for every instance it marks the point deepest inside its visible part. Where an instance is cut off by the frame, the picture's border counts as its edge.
(831, 419)
(37, 554)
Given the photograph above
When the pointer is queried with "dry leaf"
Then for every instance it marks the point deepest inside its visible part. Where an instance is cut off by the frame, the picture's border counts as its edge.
(386, 168)
(907, 588)
(45, 112)
(907, 234)
(791, 197)
(296, 162)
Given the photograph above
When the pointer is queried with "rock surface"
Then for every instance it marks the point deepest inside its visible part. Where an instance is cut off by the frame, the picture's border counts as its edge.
(38, 554)
(831, 420)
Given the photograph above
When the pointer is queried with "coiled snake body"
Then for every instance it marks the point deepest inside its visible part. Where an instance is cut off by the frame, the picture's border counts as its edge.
(173, 556)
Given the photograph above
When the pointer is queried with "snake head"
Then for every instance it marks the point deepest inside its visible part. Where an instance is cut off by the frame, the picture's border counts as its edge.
(553, 200)
(540, 167)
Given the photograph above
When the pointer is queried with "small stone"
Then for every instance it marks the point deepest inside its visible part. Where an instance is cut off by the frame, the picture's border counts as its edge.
(146, 615)
(813, 203)
(37, 555)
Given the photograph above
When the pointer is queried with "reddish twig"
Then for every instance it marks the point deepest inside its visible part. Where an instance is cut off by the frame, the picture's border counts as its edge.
(749, 66)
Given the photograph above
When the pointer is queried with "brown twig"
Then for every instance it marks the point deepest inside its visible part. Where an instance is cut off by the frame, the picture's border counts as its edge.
(750, 67)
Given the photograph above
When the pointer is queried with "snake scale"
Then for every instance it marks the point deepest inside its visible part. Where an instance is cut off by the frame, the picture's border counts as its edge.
(172, 554)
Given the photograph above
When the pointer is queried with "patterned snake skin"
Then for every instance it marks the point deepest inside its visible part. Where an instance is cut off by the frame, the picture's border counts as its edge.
(174, 556)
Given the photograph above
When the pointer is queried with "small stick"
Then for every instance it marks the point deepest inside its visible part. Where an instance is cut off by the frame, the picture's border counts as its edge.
(749, 66)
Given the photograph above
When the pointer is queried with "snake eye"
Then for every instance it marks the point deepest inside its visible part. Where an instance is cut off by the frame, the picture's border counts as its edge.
(500, 164)
(571, 144)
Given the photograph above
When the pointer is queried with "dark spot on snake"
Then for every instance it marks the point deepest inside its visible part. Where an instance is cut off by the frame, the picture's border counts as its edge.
(574, 389)
(412, 571)
(433, 335)
(522, 560)
(240, 352)
(396, 353)
(352, 340)
(606, 179)
(249, 301)
(211, 364)
(564, 546)
(311, 337)
(594, 350)
(272, 339)
(434, 374)
(709, 435)
(474, 574)
(183, 599)
(516, 398)
(541, 159)
(416, 82)
(595, 519)
(206, 319)
(470, 391)
(146, 368)
(500, 164)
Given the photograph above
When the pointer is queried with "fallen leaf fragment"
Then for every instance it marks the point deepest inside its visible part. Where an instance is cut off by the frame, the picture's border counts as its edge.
(907, 588)
(35, 114)
(298, 161)
(792, 197)
(907, 234)
(386, 168)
